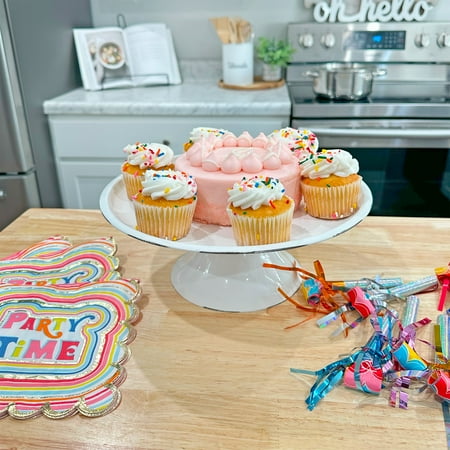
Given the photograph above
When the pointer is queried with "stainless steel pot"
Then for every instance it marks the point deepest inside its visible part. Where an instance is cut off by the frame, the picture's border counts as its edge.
(340, 81)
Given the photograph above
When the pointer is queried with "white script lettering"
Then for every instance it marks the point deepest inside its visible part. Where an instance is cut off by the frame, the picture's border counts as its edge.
(369, 11)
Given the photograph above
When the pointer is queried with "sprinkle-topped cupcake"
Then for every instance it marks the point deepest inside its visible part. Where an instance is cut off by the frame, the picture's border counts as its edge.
(260, 211)
(140, 158)
(301, 141)
(330, 183)
(165, 205)
(203, 132)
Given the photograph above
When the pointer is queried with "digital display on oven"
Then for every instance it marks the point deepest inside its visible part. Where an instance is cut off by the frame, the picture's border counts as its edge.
(375, 40)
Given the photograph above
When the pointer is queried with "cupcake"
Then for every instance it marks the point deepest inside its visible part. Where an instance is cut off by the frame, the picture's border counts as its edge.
(202, 132)
(260, 212)
(140, 158)
(330, 184)
(165, 205)
(300, 141)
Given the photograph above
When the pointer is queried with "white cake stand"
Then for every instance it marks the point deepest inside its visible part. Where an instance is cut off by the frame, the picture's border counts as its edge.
(218, 274)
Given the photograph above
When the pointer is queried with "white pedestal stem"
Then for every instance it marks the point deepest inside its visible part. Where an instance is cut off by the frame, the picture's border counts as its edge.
(234, 282)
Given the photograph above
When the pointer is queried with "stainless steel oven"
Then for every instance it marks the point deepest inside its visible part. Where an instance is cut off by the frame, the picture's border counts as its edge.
(400, 132)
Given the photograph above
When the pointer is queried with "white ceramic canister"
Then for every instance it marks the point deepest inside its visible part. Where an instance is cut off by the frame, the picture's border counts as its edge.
(237, 63)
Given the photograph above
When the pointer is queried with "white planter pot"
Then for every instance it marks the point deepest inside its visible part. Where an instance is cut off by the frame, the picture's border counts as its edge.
(271, 73)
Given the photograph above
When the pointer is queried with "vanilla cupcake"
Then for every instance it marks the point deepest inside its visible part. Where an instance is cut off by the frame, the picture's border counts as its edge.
(330, 184)
(140, 158)
(260, 212)
(300, 141)
(203, 133)
(165, 205)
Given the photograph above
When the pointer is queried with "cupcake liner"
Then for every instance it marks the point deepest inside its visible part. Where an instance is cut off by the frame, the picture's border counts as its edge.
(164, 222)
(133, 183)
(261, 230)
(334, 202)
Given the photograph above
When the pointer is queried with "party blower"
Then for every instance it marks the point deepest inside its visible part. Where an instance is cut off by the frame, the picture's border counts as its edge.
(443, 275)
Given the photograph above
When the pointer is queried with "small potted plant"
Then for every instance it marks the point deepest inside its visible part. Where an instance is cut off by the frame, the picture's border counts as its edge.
(275, 54)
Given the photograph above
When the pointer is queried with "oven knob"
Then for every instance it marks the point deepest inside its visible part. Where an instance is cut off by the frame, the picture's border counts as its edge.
(328, 40)
(423, 40)
(306, 40)
(443, 40)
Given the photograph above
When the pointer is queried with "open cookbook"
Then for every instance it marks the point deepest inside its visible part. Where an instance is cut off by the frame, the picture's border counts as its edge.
(138, 55)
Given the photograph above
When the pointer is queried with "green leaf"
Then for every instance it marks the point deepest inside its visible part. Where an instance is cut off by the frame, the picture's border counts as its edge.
(274, 52)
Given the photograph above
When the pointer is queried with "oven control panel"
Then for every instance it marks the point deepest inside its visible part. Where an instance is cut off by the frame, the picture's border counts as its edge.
(374, 40)
(368, 42)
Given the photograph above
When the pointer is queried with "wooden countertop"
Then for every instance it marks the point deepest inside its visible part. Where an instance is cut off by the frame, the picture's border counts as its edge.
(203, 379)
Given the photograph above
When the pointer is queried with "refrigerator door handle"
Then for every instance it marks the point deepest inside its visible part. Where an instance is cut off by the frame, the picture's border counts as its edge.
(2, 194)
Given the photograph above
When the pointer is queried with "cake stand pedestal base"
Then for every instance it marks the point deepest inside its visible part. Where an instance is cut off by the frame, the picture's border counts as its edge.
(234, 282)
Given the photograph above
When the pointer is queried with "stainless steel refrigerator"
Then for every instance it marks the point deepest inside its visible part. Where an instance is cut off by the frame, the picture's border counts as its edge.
(37, 62)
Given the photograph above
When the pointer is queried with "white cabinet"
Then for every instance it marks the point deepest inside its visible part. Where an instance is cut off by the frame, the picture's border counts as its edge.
(88, 148)
(82, 182)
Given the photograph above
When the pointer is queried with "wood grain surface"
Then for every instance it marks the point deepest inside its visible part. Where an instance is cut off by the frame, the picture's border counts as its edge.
(258, 84)
(202, 379)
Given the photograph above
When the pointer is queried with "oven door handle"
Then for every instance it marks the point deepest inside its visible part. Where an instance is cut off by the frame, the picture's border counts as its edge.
(385, 133)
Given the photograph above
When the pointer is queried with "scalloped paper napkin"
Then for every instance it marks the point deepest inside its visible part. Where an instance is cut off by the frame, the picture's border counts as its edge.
(66, 320)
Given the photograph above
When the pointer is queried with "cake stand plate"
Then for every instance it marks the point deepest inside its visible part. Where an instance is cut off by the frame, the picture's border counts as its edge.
(219, 274)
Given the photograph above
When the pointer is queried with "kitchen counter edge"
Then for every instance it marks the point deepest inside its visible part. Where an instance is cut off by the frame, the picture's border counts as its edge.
(189, 98)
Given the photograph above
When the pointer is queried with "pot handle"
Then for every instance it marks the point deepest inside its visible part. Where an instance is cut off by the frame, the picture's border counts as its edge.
(311, 74)
(379, 72)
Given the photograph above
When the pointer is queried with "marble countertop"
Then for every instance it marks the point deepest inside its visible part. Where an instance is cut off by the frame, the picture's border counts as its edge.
(192, 97)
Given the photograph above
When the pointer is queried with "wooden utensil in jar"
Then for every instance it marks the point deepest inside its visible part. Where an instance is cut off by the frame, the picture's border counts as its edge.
(244, 31)
(232, 30)
(222, 29)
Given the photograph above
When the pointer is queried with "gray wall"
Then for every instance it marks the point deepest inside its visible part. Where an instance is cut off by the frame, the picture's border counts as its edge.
(194, 35)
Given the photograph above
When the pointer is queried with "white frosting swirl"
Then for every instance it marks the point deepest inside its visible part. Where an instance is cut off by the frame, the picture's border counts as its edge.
(329, 162)
(300, 141)
(256, 191)
(200, 132)
(162, 155)
(147, 155)
(136, 155)
(168, 184)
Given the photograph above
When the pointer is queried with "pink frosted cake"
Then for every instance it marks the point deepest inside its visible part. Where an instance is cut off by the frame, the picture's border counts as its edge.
(217, 159)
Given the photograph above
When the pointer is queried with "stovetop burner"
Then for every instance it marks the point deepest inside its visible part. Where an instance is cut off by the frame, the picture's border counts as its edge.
(385, 101)
(382, 92)
(325, 100)
(370, 100)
